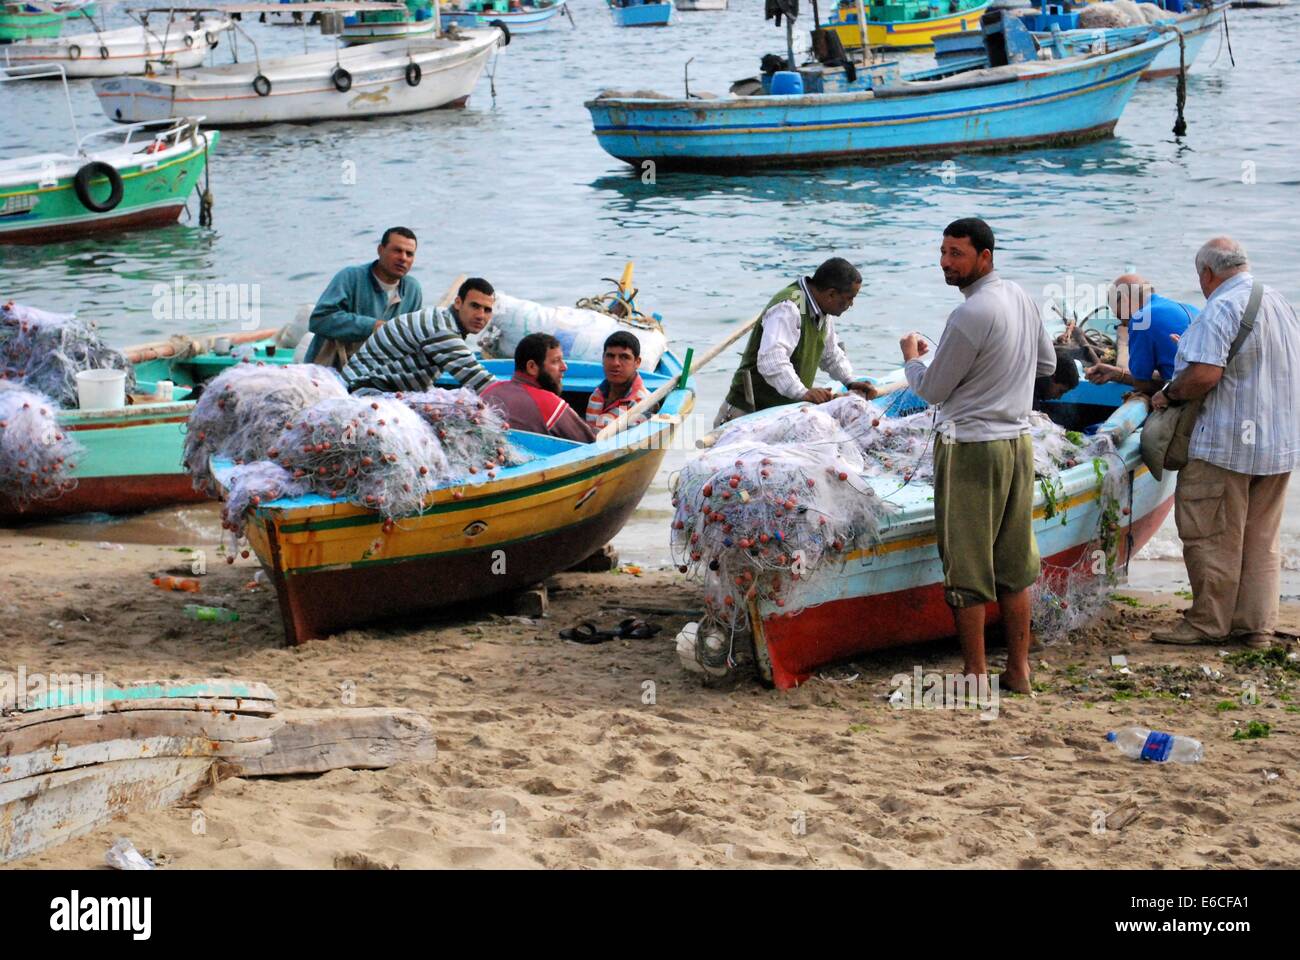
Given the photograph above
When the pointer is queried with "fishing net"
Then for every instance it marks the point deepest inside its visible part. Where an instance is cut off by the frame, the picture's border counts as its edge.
(242, 411)
(472, 434)
(250, 485)
(46, 351)
(36, 456)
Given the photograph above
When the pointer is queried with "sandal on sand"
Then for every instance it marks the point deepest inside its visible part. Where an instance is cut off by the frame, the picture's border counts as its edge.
(584, 632)
(635, 629)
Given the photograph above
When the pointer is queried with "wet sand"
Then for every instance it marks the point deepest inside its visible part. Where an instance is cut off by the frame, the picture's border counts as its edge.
(555, 754)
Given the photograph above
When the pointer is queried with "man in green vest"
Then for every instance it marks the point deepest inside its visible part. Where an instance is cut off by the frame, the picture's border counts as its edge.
(794, 338)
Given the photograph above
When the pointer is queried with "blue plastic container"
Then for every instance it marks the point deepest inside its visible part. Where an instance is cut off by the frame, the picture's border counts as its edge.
(787, 83)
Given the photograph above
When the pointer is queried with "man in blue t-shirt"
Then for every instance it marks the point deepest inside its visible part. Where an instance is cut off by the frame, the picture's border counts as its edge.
(1154, 325)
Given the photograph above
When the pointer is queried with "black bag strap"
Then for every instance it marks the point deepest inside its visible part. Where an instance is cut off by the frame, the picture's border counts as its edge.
(1247, 320)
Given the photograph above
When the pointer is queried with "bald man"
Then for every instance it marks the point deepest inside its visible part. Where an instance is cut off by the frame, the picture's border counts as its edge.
(1155, 324)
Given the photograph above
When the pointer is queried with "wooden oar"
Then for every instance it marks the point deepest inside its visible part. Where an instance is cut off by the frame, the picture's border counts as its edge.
(635, 411)
(449, 297)
(161, 349)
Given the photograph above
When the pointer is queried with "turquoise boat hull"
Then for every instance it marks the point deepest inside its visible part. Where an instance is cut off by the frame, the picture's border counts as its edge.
(1041, 103)
(530, 19)
(643, 14)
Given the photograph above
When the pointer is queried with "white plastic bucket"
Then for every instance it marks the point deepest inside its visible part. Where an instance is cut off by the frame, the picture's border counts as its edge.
(101, 389)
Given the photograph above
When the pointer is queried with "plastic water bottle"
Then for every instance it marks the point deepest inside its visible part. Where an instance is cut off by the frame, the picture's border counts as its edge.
(218, 614)
(1143, 744)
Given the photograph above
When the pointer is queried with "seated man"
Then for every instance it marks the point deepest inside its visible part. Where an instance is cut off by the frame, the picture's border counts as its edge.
(1058, 383)
(359, 299)
(531, 399)
(622, 387)
(1154, 325)
(411, 351)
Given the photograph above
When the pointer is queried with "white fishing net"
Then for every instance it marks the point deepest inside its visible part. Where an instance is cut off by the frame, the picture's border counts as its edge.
(36, 457)
(46, 351)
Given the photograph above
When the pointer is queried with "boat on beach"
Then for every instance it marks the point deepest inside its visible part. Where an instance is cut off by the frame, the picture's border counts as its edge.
(523, 18)
(113, 179)
(831, 114)
(641, 13)
(336, 565)
(138, 49)
(903, 24)
(367, 80)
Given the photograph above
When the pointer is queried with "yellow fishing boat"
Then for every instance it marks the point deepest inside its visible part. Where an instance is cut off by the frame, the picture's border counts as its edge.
(903, 24)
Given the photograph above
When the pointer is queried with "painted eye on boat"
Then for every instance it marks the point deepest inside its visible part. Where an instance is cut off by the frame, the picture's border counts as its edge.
(475, 528)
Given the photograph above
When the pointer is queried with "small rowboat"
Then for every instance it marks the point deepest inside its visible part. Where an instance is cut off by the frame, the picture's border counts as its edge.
(892, 594)
(17, 23)
(904, 24)
(387, 25)
(116, 179)
(700, 5)
(529, 18)
(370, 80)
(132, 458)
(641, 13)
(115, 53)
(335, 567)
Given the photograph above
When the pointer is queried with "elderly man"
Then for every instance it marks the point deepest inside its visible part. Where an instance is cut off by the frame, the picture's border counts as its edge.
(1155, 324)
(982, 379)
(359, 299)
(411, 351)
(793, 339)
(1246, 441)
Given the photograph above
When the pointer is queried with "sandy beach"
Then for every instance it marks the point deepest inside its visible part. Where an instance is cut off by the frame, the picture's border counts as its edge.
(555, 754)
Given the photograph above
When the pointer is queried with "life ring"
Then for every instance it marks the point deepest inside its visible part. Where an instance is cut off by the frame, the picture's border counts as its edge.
(262, 86)
(93, 171)
(501, 25)
(413, 74)
(103, 53)
(342, 80)
(74, 52)
(189, 40)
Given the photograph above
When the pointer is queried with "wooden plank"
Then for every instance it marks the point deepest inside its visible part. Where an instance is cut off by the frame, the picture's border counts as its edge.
(92, 699)
(74, 802)
(260, 708)
(80, 741)
(362, 738)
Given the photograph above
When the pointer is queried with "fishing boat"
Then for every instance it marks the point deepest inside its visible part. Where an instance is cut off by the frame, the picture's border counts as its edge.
(113, 179)
(369, 80)
(517, 18)
(418, 19)
(132, 455)
(891, 594)
(336, 565)
(19, 23)
(692, 6)
(641, 13)
(130, 50)
(904, 24)
(1059, 32)
(834, 114)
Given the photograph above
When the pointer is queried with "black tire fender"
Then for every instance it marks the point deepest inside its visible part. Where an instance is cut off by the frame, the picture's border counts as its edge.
(413, 74)
(93, 171)
(261, 86)
(74, 52)
(501, 25)
(341, 79)
(189, 40)
(103, 53)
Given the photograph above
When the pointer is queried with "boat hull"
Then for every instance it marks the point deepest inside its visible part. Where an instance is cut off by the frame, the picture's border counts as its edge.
(1197, 28)
(131, 51)
(643, 15)
(528, 20)
(1069, 104)
(379, 31)
(27, 26)
(700, 5)
(225, 96)
(154, 192)
(905, 34)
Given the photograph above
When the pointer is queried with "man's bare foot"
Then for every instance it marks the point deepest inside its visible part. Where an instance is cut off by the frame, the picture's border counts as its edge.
(1017, 682)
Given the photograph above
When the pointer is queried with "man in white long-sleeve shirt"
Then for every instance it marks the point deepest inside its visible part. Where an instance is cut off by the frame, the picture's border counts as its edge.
(982, 379)
(794, 338)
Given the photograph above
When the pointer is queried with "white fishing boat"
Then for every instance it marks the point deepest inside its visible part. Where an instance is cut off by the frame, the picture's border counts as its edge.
(370, 80)
(694, 5)
(143, 48)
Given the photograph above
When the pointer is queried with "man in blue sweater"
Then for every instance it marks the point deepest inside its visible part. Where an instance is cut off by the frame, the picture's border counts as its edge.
(359, 299)
(1154, 325)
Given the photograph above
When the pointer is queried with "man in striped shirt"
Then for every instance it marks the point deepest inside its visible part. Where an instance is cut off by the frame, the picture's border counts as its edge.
(410, 352)
(622, 387)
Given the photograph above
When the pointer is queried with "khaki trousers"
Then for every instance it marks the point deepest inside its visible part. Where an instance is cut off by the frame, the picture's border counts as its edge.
(1230, 524)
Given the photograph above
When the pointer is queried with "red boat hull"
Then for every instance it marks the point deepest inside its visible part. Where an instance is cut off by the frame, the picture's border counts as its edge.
(108, 495)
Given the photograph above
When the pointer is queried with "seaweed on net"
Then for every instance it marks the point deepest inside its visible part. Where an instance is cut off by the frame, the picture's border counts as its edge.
(36, 457)
(472, 434)
(242, 411)
(46, 351)
(753, 516)
(372, 451)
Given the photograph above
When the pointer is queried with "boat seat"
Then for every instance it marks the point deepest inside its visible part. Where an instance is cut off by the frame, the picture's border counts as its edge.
(962, 81)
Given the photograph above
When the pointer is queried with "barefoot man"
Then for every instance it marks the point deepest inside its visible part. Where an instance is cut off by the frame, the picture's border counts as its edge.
(982, 379)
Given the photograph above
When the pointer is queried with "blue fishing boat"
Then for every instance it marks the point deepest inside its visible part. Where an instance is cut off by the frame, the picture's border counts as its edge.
(1056, 28)
(532, 17)
(641, 13)
(833, 114)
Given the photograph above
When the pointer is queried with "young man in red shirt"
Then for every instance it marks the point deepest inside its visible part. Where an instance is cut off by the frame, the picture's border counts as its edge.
(622, 388)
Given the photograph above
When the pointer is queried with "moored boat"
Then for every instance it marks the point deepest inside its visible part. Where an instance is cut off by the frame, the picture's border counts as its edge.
(373, 79)
(336, 565)
(825, 114)
(19, 23)
(517, 18)
(641, 13)
(111, 53)
(904, 24)
(417, 20)
(700, 5)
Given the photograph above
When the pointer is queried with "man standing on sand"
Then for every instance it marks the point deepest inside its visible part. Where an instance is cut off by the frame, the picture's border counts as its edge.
(982, 379)
(1245, 443)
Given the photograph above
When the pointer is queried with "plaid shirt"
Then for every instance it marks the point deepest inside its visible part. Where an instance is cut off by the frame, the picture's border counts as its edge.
(1251, 421)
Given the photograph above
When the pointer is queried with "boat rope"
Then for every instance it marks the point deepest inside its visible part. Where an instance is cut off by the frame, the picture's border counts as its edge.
(1180, 122)
(569, 14)
(205, 199)
(1228, 36)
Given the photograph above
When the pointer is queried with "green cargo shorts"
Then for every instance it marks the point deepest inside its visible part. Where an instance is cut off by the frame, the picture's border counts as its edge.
(984, 518)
